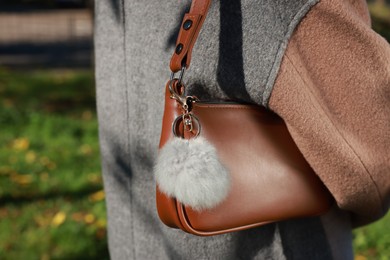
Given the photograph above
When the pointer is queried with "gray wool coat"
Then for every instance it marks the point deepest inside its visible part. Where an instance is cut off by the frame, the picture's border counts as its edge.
(237, 56)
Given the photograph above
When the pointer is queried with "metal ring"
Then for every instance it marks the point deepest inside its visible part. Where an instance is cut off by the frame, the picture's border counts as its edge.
(181, 75)
(179, 98)
(180, 118)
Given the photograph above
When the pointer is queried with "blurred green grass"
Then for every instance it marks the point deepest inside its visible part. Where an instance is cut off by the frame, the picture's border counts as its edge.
(373, 241)
(51, 197)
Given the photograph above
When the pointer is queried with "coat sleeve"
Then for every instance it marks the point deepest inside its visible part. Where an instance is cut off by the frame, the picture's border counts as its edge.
(333, 91)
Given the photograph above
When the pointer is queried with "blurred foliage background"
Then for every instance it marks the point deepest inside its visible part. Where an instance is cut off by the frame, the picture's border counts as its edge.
(51, 195)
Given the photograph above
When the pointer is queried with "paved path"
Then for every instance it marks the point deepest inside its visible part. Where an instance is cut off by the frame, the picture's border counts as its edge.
(60, 38)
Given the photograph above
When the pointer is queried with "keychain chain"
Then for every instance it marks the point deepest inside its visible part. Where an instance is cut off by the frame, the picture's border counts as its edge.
(186, 103)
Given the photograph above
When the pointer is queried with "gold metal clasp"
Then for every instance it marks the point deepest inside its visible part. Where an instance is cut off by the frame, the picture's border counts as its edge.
(190, 123)
(187, 122)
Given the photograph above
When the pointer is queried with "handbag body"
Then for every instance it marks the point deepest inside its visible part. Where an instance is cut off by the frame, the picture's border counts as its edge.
(270, 179)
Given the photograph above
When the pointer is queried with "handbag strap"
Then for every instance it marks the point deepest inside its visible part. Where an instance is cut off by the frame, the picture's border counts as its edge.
(189, 31)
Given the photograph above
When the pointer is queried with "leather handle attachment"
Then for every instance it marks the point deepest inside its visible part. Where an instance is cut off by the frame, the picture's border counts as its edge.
(189, 31)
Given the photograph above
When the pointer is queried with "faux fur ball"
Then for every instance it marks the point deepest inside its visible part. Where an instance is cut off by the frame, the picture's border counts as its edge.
(190, 171)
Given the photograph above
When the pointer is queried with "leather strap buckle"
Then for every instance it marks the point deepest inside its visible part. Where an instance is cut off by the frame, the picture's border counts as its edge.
(189, 31)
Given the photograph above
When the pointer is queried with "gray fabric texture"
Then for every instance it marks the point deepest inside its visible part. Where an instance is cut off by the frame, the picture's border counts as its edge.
(237, 57)
(238, 53)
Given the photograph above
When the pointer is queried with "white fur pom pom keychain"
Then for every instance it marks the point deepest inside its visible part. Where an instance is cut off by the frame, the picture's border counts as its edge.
(190, 171)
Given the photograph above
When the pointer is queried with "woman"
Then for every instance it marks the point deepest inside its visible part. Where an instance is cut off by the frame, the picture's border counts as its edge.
(315, 63)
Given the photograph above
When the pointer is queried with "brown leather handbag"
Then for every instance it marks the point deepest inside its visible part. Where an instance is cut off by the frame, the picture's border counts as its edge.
(269, 180)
